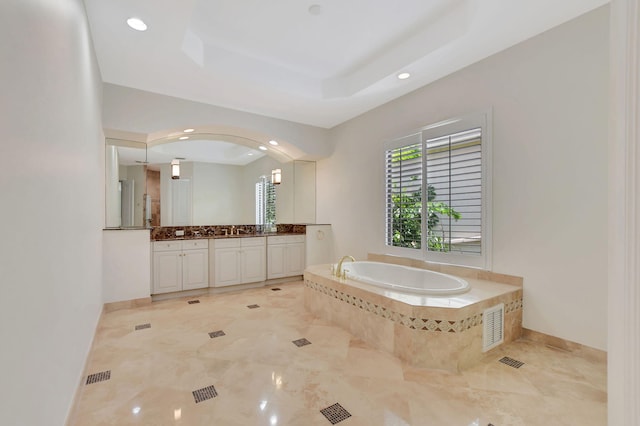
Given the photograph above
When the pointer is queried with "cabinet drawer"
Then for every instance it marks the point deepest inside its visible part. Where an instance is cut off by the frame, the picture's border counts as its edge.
(285, 239)
(252, 242)
(167, 245)
(194, 244)
(227, 243)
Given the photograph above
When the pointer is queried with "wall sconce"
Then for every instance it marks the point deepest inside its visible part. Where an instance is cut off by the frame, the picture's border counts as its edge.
(175, 169)
(276, 176)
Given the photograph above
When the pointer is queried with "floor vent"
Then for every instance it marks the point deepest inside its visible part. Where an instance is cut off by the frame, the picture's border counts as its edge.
(191, 302)
(511, 362)
(335, 413)
(98, 377)
(301, 342)
(492, 327)
(143, 326)
(276, 289)
(204, 394)
(253, 306)
(216, 334)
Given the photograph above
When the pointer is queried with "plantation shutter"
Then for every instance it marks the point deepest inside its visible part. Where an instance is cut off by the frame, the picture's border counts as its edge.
(270, 203)
(260, 202)
(265, 202)
(403, 171)
(454, 176)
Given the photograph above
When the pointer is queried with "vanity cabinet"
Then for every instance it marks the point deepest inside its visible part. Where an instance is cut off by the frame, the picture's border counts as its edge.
(180, 265)
(238, 261)
(285, 256)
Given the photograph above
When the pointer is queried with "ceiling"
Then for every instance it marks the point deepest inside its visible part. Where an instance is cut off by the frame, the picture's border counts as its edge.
(317, 62)
(201, 150)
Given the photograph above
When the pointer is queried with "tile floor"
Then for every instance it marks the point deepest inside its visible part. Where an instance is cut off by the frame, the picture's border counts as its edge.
(251, 367)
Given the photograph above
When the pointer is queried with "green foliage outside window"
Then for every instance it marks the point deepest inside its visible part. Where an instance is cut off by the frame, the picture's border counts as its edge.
(270, 204)
(436, 209)
(406, 211)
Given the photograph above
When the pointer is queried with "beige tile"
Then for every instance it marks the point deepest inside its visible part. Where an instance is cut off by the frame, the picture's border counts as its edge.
(262, 378)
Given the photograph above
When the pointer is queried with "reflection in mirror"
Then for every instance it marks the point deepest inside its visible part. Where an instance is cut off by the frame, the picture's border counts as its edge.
(266, 202)
(217, 184)
(126, 184)
(304, 174)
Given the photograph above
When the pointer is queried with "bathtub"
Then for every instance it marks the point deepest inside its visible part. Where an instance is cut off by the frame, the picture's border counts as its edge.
(405, 278)
(433, 330)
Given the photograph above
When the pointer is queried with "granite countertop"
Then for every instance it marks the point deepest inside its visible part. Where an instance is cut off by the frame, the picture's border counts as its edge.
(216, 237)
(164, 233)
(126, 228)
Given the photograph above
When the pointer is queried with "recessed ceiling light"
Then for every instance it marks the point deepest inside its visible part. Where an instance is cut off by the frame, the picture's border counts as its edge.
(262, 147)
(188, 130)
(250, 153)
(274, 143)
(315, 9)
(183, 137)
(403, 76)
(137, 24)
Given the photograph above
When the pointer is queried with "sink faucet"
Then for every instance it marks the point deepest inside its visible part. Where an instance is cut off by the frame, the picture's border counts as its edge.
(233, 227)
(339, 272)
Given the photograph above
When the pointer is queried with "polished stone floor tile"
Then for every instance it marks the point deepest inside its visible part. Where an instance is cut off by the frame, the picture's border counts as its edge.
(261, 377)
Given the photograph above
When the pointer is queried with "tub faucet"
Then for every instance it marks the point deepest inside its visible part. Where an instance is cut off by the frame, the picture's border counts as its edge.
(339, 272)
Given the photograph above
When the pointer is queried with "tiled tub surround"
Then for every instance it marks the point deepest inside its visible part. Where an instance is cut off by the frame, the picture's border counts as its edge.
(161, 233)
(424, 331)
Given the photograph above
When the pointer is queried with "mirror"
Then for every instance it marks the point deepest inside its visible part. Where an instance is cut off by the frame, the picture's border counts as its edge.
(213, 189)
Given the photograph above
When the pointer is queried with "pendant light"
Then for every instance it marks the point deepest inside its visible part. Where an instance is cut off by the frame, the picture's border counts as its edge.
(175, 169)
(276, 176)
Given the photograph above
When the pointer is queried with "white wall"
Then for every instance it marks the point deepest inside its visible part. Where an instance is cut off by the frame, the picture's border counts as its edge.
(550, 103)
(304, 194)
(218, 191)
(52, 191)
(137, 111)
(126, 265)
(623, 356)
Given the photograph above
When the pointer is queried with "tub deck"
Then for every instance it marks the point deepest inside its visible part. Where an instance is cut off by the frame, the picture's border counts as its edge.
(425, 331)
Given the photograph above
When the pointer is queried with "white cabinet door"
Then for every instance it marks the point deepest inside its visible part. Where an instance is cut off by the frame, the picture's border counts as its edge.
(228, 271)
(276, 261)
(195, 269)
(294, 262)
(167, 271)
(253, 264)
(285, 256)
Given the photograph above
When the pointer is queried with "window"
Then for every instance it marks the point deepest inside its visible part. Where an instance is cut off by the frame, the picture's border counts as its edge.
(437, 187)
(265, 202)
(404, 195)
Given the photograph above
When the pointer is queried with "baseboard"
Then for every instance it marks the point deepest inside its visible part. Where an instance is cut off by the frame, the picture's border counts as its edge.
(565, 345)
(126, 304)
(73, 412)
(274, 281)
(225, 289)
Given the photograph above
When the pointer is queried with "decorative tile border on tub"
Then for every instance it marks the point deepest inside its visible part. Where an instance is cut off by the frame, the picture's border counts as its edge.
(513, 306)
(426, 324)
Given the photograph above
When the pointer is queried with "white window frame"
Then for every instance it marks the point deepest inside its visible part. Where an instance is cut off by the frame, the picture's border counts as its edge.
(483, 120)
